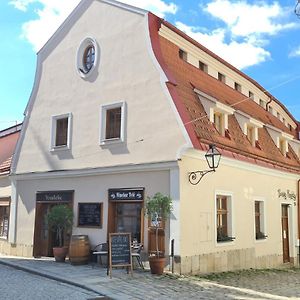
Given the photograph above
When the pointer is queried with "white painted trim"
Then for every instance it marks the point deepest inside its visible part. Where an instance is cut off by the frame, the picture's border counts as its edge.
(102, 126)
(264, 219)
(175, 216)
(163, 81)
(12, 231)
(235, 163)
(126, 7)
(157, 166)
(86, 42)
(53, 129)
(230, 222)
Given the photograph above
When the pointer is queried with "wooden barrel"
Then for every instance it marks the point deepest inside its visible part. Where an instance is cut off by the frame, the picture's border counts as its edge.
(79, 250)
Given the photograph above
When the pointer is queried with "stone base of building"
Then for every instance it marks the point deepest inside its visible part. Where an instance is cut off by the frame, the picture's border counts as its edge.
(15, 249)
(227, 261)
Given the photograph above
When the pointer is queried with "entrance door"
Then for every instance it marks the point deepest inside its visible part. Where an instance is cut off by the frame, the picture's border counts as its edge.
(43, 237)
(285, 233)
(127, 217)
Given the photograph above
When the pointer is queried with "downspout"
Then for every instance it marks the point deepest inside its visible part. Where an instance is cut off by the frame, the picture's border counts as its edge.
(268, 103)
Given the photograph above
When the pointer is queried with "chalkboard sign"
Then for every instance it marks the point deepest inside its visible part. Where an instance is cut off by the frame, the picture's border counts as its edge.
(120, 251)
(90, 214)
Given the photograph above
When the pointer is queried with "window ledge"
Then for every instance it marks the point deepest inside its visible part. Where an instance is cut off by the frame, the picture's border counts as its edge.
(59, 148)
(111, 141)
(4, 238)
(225, 241)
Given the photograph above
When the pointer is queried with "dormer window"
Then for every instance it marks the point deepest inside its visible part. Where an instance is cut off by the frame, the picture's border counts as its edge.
(183, 54)
(219, 121)
(237, 87)
(221, 77)
(283, 146)
(262, 103)
(202, 66)
(251, 95)
(271, 109)
(251, 134)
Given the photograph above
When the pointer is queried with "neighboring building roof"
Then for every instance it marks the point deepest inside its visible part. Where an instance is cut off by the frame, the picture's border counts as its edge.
(184, 78)
(8, 141)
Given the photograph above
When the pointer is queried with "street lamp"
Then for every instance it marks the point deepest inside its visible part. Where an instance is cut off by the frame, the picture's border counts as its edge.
(212, 157)
(297, 8)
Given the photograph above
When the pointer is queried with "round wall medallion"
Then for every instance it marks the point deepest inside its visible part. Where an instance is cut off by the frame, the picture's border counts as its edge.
(87, 57)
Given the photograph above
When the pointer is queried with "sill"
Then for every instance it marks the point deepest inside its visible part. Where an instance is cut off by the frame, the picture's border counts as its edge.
(4, 238)
(111, 141)
(226, 240)
(262, 238)
(59, 148)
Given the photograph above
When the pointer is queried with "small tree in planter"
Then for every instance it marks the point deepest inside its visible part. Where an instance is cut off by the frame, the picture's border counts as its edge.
(60, 220)
(158, 208)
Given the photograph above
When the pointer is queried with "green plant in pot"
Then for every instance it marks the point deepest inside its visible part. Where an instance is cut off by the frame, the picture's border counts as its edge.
(158, 209)
(60, 221)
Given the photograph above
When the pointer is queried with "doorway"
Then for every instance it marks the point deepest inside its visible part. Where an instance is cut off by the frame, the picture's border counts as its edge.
(285, 233)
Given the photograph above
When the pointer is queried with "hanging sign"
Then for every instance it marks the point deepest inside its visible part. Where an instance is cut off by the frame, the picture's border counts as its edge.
(126, 194)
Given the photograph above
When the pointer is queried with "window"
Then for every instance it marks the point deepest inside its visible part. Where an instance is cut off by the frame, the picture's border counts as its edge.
(278, 115)
(262, 103)
(271, 109)
(113, 123)
(223, 224)
(251, 134)
(4, 218)
(89, 58)
(251, 95)
(221, 77)
(88, 55)
(219, 122)
(112, 127)
(283, 146)
(202, 66)
(237, 87)
(61, 131)
(259, 220)
(182, 54)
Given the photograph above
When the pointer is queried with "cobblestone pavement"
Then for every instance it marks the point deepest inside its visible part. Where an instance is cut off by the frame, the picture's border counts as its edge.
(279, 285)
(283, 282)
(16, 284)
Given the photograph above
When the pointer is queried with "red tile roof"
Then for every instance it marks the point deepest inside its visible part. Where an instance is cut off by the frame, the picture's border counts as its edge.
(184, 78)
(7, 147)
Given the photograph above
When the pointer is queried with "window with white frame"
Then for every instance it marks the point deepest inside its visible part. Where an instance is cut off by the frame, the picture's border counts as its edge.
(61, 131)
(219, 121)
(283, 146)
(112, 123)
(251, 134)
(224, 218)
(259, 220)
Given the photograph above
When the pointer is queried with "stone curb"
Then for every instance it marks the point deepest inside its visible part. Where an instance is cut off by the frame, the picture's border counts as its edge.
(42, 274)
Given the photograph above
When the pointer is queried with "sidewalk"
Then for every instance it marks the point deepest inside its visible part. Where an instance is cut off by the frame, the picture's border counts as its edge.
(142, 285)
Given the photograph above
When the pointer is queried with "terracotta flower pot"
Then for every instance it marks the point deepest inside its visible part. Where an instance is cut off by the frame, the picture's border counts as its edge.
(157, 265)
(60, 253)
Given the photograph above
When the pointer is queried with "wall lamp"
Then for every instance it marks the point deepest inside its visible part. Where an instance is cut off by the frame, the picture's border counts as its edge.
(212, 157)
(297, 9)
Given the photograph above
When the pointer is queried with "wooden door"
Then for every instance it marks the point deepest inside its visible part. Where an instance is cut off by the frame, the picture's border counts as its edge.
(285, 233)
(43, 237)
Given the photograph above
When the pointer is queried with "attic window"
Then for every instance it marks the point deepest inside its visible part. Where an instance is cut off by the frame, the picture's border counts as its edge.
(237, 87)
(183, 54)
(219, 121)
(202, 66)
(251, 134)
(271, 109)
(251, 95)
(262, 103)
(87, 57)
(283, 146)
(221, 77)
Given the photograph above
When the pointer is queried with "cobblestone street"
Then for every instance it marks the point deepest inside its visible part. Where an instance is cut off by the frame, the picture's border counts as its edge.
(16, 284)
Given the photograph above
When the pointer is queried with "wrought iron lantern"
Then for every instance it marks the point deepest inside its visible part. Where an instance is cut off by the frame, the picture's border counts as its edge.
(297, 9)
(213, 157)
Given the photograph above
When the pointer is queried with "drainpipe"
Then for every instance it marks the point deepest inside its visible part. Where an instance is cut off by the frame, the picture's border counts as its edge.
(268, 103)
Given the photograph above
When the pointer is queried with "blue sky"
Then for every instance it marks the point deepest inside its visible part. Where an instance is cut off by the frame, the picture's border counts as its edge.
(260, 37)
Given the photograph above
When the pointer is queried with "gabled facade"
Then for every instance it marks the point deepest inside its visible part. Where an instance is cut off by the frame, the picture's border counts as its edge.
(122, 110)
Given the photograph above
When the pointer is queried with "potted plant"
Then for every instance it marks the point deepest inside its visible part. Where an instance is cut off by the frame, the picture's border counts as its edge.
(158, 209)
(60, 220)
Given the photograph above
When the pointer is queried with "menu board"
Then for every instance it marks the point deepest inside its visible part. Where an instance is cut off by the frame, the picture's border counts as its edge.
(120, 250)
(90, 214)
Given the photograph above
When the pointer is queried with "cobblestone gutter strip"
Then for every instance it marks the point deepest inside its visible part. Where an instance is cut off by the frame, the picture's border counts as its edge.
(42, 274)
(242, 290)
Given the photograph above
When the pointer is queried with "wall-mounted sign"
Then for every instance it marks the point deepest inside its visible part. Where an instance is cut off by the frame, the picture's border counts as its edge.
(55, 196)
(126, 194)
(90, 214)
(287, 195)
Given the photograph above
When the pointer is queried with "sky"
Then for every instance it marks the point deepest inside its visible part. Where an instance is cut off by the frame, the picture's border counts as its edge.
(262, 38)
